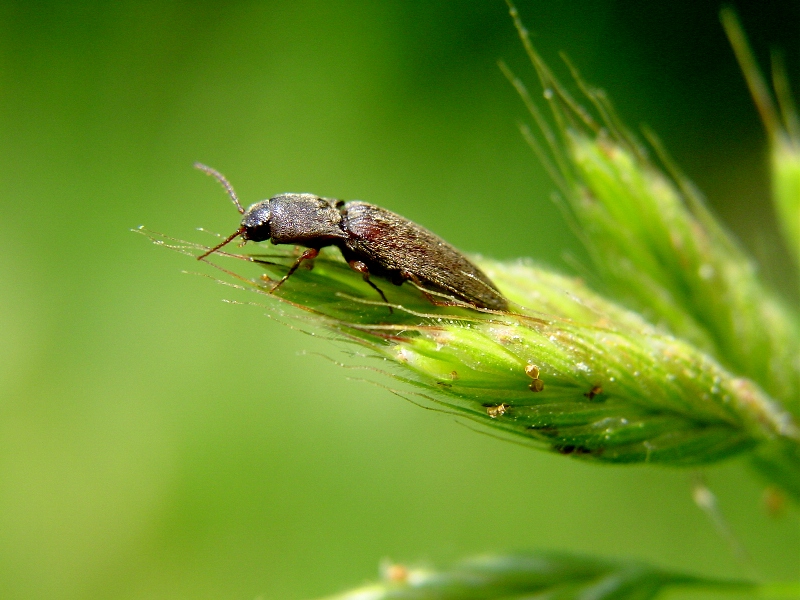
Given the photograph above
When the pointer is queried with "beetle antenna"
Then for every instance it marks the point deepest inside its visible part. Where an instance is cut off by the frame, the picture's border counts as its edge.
(225, 183)
(227, 240)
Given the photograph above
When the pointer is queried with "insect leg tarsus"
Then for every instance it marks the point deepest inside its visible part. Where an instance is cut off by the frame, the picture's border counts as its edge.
(309, 254)
(360, 267)
(425, 292)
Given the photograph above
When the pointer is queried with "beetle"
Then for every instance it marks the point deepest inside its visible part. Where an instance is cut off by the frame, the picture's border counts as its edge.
(373, 241)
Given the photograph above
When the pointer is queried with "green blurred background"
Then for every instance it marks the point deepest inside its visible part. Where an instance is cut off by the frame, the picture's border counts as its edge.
(156, 442)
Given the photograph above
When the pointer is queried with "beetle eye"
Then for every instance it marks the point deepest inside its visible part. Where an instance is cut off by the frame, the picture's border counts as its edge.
(259, 233)
(256, 223)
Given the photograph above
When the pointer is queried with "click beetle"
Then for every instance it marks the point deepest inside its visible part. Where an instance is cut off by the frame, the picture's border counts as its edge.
(373, 240)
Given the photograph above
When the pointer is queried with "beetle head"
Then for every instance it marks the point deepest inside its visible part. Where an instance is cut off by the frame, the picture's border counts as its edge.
(255, 223)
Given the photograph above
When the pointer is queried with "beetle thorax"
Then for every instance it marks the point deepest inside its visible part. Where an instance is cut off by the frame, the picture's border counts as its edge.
(304, 219)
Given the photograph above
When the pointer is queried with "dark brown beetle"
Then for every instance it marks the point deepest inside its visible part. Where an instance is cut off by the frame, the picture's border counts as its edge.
(373, 240)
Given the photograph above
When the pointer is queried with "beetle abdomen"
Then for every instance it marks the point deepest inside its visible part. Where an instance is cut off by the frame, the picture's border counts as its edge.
(392, 245)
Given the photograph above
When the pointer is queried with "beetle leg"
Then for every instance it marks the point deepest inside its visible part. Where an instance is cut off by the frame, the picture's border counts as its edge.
(415, 280)
(431, 298)
(309, 254)
(359, 266)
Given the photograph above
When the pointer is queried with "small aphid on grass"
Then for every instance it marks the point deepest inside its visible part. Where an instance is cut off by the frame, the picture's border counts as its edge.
(373, 241)
(532, 371)
(453, 375)
(496, 411)
(595, 391)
